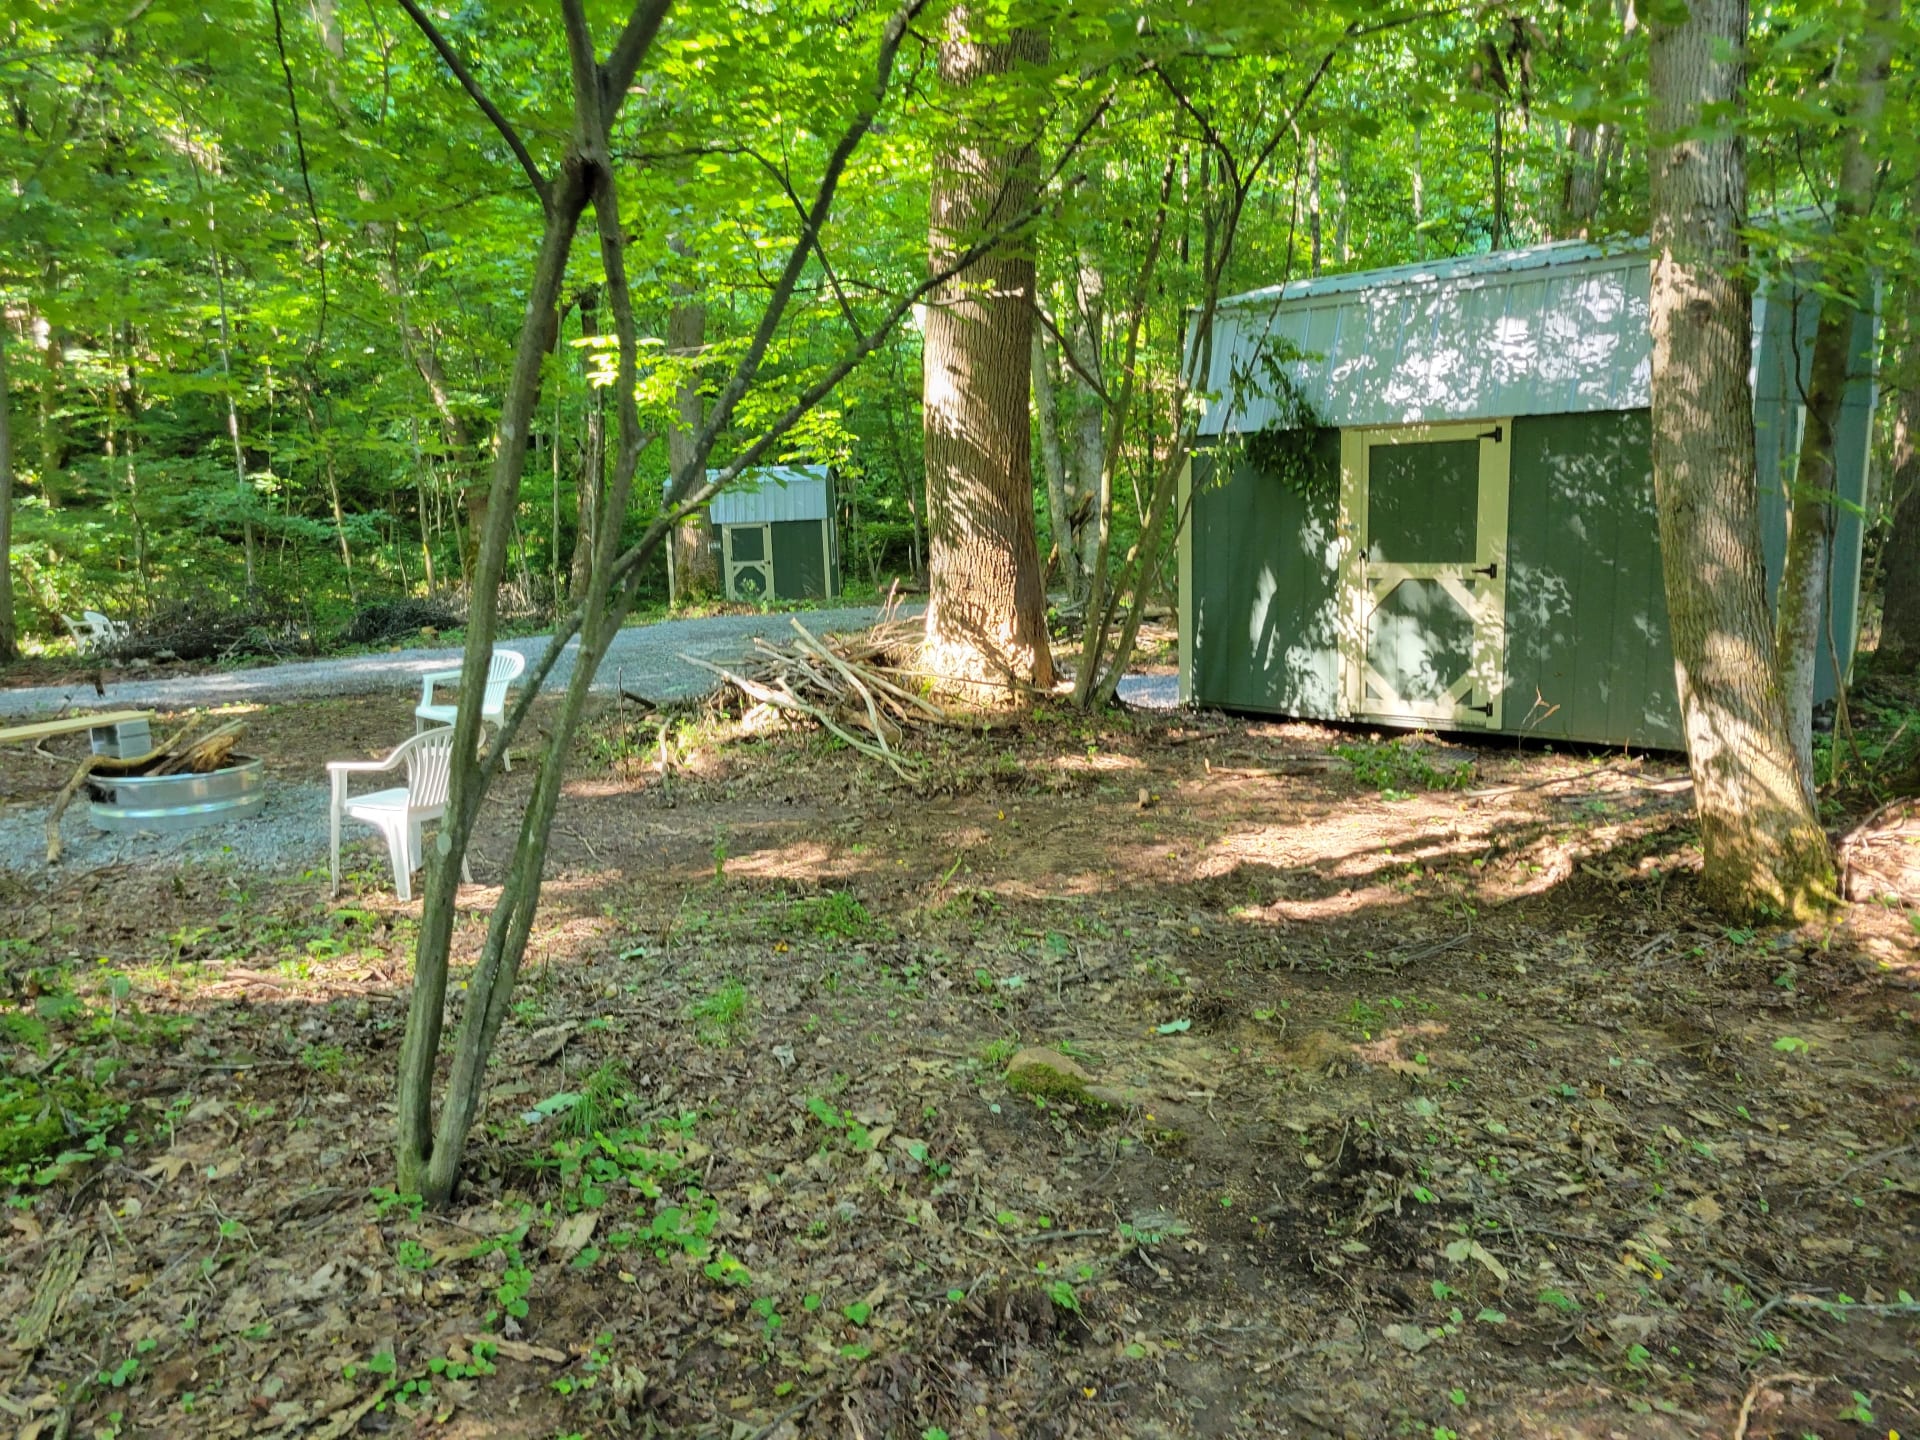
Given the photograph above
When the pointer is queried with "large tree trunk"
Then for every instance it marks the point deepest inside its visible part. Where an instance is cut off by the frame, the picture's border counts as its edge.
(1764, 850)
(694, 569)
(9, 639)
(986, 611)
(1801, 605)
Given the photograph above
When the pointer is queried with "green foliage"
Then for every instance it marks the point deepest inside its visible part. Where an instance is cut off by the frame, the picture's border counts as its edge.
(837, 915)
(1400, 766)
(720, 1016)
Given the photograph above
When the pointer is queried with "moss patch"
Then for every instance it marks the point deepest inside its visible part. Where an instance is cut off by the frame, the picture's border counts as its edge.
(1050, 1076)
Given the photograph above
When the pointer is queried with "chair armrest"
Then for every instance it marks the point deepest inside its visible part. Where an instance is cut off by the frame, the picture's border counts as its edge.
(342, 767)
(435, 677)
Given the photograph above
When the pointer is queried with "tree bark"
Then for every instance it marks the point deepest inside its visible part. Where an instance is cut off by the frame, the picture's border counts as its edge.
(1764, 850)
(1046, 416)
(986, 612)
(1089, 513)
(591, 489)
(1899, 650)
(9, 637)
(1801, 604)
(694, 569)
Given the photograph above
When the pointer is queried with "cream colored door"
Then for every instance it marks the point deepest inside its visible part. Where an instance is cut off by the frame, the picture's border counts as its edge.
(749, 562)
(1424, 519)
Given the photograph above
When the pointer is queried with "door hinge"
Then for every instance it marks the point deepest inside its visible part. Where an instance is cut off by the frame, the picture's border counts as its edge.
(1486, 709)
(1494, 434)
(1492, 572)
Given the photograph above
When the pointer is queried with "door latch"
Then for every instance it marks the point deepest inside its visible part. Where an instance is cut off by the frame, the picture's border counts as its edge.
(1492, 571)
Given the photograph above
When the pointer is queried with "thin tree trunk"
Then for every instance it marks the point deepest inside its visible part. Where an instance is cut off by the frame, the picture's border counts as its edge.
(1801, 603)
(9, 637)
(1313, 202)
(588, 490)
(1053, 461)
(1899, 650)
(694, 570)
(226, 374)
(1089, 508)
(1764, 850)
(428, 1164)
(986, 613)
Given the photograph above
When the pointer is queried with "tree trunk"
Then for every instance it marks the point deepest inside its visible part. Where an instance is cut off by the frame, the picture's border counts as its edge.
(1088, 511)
(694, 569)
(1801, 604)
(9, 637)
(1046, 416)
(1313, 202)
(1764, 850)
(986, 611)
(590, 491)
(1900, 576)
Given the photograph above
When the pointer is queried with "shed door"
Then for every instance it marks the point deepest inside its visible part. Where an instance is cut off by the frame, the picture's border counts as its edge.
(1424, 515)
(749, 562)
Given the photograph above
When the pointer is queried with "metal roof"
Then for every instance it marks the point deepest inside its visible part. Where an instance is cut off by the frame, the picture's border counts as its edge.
(1549, 330)
(773, 493)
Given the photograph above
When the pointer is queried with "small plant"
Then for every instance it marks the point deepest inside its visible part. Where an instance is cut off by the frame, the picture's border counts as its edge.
(720, 1015)
(995, 1053)
(412, 1255)
(1860, 1411)
(837, 915)
(719, 857)
(1398, 768)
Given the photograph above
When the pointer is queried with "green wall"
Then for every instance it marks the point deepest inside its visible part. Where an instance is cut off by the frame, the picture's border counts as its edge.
(1265, 603)
(1587, 650)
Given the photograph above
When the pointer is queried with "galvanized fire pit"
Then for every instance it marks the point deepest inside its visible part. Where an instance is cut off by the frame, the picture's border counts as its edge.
(171, 803)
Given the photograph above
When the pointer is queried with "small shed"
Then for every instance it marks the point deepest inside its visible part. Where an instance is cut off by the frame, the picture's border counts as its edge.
(1441, 510)
(775, 531)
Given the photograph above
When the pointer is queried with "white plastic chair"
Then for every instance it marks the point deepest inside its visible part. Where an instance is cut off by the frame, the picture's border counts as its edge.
(93, 631)
(399, 812)
(505, 667)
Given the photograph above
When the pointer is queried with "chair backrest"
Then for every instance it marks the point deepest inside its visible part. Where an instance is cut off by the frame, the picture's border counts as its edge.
(505, 668)
(101, 626)
(429, 757)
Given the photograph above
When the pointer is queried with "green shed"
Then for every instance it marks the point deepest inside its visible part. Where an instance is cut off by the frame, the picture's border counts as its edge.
(774, 528)
(1465, 538)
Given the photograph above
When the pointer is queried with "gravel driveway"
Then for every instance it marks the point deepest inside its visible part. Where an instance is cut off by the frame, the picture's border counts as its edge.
(644, 658)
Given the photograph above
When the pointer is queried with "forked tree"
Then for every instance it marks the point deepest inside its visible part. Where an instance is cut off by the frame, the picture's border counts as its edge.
(1764, 849)
(431, 1144)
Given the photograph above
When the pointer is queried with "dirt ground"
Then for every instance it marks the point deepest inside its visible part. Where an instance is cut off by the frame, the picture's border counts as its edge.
(1383, 1097)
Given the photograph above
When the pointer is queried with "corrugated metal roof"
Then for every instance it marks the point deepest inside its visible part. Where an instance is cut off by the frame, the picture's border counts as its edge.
(1550, 330)
(773, 493)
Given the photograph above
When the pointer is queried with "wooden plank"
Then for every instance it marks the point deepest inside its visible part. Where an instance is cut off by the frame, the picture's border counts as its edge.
(23, 734)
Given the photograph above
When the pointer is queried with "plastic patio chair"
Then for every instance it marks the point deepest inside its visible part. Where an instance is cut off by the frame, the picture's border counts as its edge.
(505, 667)
(396, 813)
(93, 631)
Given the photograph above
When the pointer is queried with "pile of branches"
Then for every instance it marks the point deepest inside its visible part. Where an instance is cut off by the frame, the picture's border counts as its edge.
(1880, 857)
(858, 687)
(211, 627)
(384, 621)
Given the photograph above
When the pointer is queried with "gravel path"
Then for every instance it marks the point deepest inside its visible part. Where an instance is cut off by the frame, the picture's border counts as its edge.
(289, 833)
(644, 658)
